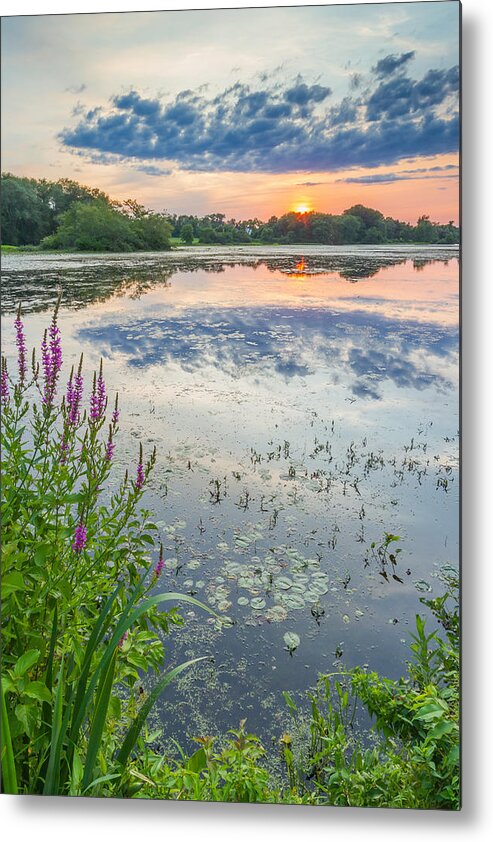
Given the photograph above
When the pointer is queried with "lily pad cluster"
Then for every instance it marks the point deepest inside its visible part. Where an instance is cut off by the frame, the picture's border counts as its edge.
(273, 586)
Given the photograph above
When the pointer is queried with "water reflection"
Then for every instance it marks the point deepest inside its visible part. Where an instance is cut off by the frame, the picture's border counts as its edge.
(362, 348)
(86, 279)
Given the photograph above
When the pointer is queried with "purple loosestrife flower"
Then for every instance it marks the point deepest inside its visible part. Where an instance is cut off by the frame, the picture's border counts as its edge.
(73, 398)
(122, 639)
(5, 382)
(69, 394)
(20, 341)
(160, 565)
(51, 358)
(80, 538)
(139, 482)
(64, 450)
(98, 397)
(110, 447)
(116, 413)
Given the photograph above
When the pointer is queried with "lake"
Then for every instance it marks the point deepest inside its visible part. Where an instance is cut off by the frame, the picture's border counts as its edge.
(304, 403)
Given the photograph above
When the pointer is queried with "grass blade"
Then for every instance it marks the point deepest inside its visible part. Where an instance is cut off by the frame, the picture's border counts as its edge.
(135, 728)
(53, 771)
(99, 720)
(9, 777)
(126, 621)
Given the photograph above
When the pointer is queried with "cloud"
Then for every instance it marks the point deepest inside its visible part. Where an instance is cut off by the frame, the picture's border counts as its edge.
(403, 175)
(302, 94)
(279, 128)
(391, 63)
(402, 96)
(76, 89)
(151, 169)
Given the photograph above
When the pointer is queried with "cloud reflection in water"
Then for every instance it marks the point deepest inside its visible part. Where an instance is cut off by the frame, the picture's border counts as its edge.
(366, 349)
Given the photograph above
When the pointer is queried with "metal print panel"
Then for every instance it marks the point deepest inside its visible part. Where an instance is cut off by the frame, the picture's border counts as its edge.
(230, 523)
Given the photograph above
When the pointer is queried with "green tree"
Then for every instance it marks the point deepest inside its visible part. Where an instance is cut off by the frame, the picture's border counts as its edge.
(22, 217)
(186, 234)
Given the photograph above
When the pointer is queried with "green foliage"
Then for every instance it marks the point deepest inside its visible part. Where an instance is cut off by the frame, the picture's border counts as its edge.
(231, 773)
(80, 622)
(95, 226)
(357, 224)
(67, 215)
(413, 759)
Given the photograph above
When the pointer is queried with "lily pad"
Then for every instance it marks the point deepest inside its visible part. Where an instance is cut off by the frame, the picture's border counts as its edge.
(292, 641)
(284, 583)
(276, 614)
(257, 603)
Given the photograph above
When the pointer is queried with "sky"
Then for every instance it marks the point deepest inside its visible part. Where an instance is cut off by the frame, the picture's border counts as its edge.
(248, 112)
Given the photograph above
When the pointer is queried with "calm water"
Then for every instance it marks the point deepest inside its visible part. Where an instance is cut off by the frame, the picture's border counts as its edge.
(302, 404)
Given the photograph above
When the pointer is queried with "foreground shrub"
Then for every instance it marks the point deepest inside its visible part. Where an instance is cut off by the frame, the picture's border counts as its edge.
(79, 621)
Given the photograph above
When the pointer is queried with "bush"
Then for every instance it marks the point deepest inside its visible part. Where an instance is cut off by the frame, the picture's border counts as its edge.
(412, 759)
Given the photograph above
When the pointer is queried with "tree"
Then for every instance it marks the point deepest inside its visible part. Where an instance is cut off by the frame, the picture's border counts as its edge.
(22, 218)
(186, 234)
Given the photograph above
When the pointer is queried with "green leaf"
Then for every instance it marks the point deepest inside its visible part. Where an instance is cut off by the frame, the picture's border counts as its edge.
(197, 761)
(11, 582)
(37, 690)
(28, 717)
(25, 662)
(292, 641)
(100, 781)
(41, 554)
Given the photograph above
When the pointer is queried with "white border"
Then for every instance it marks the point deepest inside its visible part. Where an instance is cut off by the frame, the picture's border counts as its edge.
(55, 819)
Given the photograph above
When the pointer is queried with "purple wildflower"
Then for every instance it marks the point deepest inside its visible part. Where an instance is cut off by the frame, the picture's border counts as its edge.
(64, 450)
(51, 358)
(98, 397)
(20, 341)
(139, 482)
(80, 538)
(5, 382)
(122, 639)
(73, 397)
(110, 448)
(160, 565)
(116, 412)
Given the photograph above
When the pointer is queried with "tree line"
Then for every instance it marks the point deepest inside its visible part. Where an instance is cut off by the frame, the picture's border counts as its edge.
(66, 215)
(357, 224)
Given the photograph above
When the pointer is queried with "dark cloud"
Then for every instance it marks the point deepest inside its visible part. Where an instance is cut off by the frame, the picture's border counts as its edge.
(302, 94)
(277, 129)
(150, 169)
(402, 96)
(404, 175)
(391, 63)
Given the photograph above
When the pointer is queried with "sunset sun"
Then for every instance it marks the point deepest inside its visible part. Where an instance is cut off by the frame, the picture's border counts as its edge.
(302, 207)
